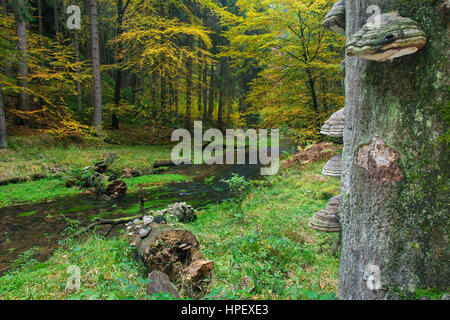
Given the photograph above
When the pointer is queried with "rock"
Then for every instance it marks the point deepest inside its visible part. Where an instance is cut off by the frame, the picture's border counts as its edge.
(333, 167)
(160, 219)
(182, 211)
(130, 173)
(160, 283)
(144, 231)
(147, 220)
(327, 219)
(70, 183)
(334, 126)
(425, 298)
(386, 37)
(335, 18)
(445, 296)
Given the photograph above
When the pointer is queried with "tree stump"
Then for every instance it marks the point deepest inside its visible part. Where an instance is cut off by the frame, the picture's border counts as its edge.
(172, 251)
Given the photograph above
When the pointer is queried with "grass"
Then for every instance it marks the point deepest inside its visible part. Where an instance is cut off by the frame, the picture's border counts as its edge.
(54, 188)
(107, 271)
(265, 249)
(262, 249)
(32, 154)
(34, 192)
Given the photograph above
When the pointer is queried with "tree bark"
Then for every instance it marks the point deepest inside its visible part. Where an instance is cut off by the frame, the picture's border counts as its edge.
(395, 165)
(97, 121)
(3, 142)
(56, 19)
(118, 75)
(77, 57)
(21, 29)
(41, 28)
(187, 117)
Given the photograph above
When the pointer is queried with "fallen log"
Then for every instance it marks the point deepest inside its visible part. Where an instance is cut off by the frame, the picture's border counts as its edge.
(172, 251)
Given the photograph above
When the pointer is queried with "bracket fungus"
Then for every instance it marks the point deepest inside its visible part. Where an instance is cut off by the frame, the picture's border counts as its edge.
(386, 37)
(335, 18)
(333, 167)
(327, 219)
(334, 126)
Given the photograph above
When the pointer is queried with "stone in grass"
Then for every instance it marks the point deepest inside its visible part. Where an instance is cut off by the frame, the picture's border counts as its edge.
(144, 231)
(160, 283)
(160, 219)
(147, 220)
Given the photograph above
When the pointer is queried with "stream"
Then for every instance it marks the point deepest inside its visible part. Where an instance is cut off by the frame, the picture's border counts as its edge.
(41, 226)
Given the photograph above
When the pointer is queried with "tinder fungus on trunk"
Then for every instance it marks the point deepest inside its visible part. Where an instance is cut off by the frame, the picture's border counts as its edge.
(386, 37)
(327, 219)
(333, 167)
(334, 126)
(335, 18)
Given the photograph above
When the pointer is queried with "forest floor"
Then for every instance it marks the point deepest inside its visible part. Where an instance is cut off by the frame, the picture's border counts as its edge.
(262, 248)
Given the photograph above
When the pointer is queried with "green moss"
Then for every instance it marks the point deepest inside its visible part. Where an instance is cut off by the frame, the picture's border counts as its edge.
(27, 214)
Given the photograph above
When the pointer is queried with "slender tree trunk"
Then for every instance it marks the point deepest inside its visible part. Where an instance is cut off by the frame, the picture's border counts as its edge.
(187, 118)
(77, 56)
(56, 19)
(212, 81)
(97, 121)
(154, 95)
(3, 4)
(222, 94)
(163, 93)
(41, 28)
(205, 91)
(118, 75)
(24, 101)
(199, 85)
(3, 142)
(212, 89)
(395, 204)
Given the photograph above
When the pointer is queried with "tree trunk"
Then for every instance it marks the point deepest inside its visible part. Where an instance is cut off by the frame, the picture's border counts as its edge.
(199, 86)
(395, 165)
(3, 142)
(118, 74)
(187, 118)
(41, 28)
(97, 121)
(56, 19)
(3, 4)
(24, 101)
(205, 91)
(77, 57)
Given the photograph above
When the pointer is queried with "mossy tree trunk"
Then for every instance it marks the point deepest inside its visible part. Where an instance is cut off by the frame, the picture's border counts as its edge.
(395, 163)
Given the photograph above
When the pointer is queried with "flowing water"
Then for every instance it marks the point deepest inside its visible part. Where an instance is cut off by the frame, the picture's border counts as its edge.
(41, 226)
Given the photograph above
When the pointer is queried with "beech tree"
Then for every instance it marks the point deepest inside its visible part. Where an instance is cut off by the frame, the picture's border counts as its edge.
(97, 121)
(3, 142)
(394, 193)
(21, 13)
